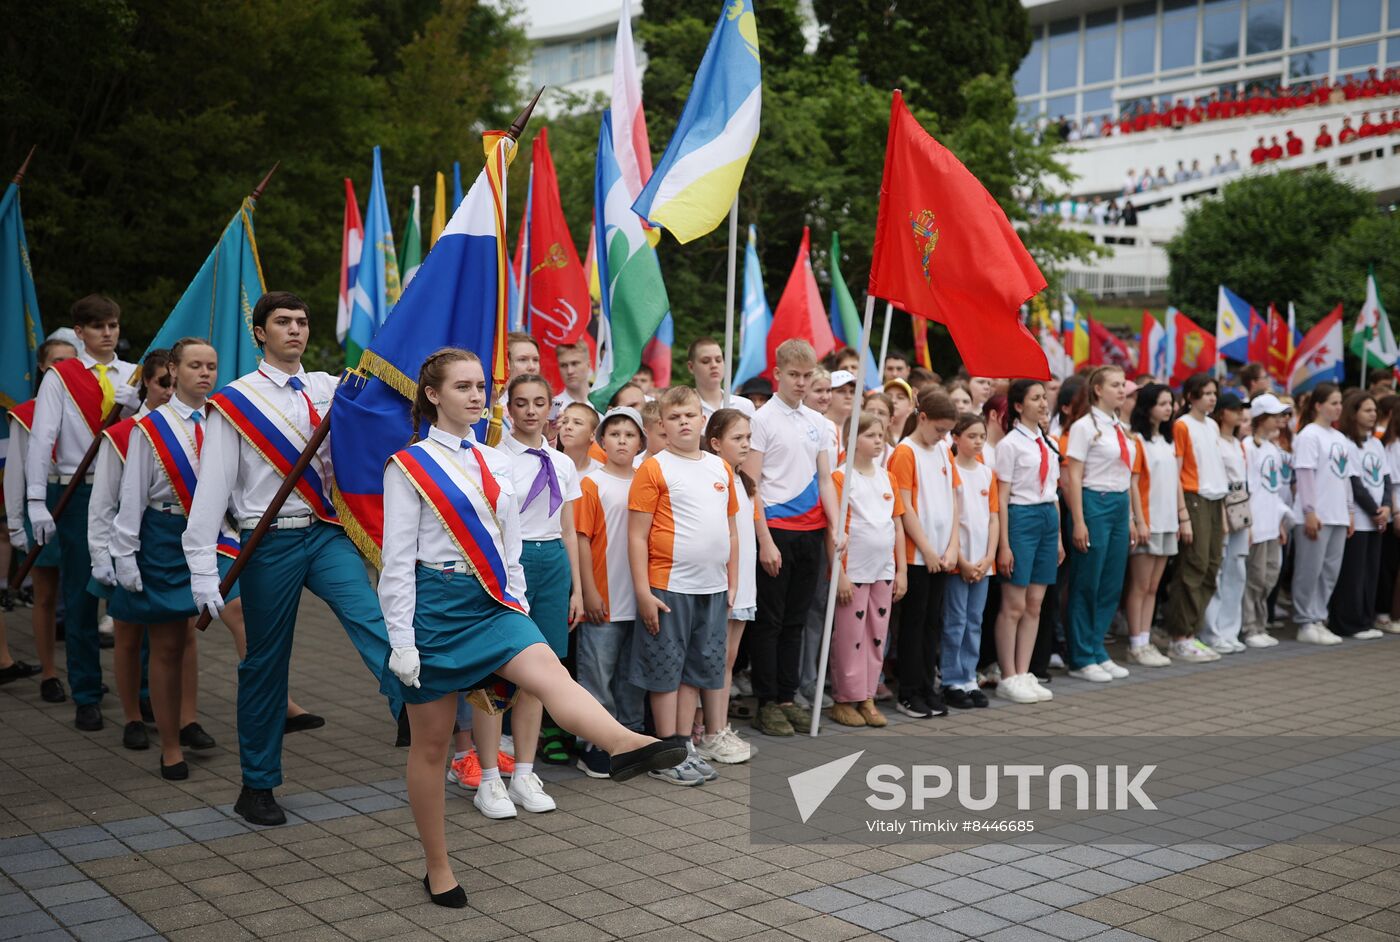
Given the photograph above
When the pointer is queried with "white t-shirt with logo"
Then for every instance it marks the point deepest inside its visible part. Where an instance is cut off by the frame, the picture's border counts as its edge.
(977, 501)
(601, 515)
(874, 504)
(1268, 490)
(1327, 453)
(1371, 467)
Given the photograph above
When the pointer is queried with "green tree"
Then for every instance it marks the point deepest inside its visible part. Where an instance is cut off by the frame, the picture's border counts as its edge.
(1372, 241)
(1265, 237)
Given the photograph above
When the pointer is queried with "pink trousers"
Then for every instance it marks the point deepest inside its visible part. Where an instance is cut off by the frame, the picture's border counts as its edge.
(858, 642)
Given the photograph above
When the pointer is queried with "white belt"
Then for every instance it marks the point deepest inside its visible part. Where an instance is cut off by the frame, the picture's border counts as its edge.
(166, 507)
(451, 565)
(67, 478)
(299, 522)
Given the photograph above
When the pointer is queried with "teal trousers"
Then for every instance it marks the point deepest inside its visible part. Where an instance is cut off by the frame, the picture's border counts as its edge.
(320, 558)
(1096, 577)
(79, 605)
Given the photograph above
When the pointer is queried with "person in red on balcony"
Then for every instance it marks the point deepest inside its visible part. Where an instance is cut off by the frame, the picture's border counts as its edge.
(1292, 145)
(1372, 86)
(1394, 127)
(1324, 140)
(1259, 154)
(1180, 113)
(1347, 134)
(1367, 129)
(1275, 149)
(1197, 114)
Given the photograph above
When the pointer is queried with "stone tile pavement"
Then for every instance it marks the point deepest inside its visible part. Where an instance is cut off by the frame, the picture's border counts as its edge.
(95, 846)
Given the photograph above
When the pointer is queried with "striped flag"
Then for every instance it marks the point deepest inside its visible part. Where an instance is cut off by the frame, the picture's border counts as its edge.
(351, 245)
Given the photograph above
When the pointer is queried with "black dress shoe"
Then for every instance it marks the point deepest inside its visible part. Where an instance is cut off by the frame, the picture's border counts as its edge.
(405, 737)
(979, 699)
(51, 690)
(88, 718)
(455, 898)
(936, 706)
(174, 773)
(148, 715)
(662, 754)
(957, 698)
(303, 722)
(134, 735)
(257, 806)
(193, 736)
(17, 671)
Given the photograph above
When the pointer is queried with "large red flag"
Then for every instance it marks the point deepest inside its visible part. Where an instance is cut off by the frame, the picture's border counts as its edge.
(1191, 347)
(800, 312)
(1105, 349)
(944, 250)
(555, 287)
(1258, 348)
(1280, 354)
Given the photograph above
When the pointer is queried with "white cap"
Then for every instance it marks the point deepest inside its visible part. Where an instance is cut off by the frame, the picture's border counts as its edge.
(622, 412)
(841, 378)
(1267, 404)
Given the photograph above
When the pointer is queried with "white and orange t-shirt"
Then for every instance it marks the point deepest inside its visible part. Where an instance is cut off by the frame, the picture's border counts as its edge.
(870, 514)
(691, 501)
(928, 474)
(601, 515)
(978, 499)
(1198, 447)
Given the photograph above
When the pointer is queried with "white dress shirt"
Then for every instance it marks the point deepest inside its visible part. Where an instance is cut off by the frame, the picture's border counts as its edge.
(144, 481)
(536, 522)
(234, 475)
(735, 402)
(60, 429)
(1093, 441)
(14, 483)
(106, 495)
(411, 534)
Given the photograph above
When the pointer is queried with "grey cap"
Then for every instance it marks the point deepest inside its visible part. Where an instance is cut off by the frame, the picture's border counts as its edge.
(622, 412)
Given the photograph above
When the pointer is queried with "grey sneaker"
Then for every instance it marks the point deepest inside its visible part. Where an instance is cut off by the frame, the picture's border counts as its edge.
(683, 774)
(772, 721)
(699, 764)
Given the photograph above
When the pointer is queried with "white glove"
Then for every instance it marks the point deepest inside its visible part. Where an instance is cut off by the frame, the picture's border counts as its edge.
(40, 520)
(405, 666)
(207, 597)
(128, 573)
(126, 396)
(19, 540)
(102, 570)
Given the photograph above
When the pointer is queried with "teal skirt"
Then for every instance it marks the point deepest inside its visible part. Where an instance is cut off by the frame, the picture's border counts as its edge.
(165, 576)
(462, 634)
(548, 585)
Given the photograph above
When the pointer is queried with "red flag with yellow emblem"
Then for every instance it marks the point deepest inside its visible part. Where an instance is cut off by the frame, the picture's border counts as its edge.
(944, 250)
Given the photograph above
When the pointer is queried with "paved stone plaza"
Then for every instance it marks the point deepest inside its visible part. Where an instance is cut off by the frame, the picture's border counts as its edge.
(95, 846)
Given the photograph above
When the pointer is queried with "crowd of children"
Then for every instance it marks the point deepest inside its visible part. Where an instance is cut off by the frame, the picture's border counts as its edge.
(637, 575)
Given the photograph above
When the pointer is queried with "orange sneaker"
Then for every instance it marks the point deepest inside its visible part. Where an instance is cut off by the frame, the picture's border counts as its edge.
(466, 772)
(507, 762)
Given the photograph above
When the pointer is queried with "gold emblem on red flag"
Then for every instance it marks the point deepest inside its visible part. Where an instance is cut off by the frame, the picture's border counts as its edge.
(925, 239)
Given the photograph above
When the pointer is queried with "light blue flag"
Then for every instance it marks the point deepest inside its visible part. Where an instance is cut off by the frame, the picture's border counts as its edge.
(377, 281)
(756, 319)
(218, 304)
(20, 329)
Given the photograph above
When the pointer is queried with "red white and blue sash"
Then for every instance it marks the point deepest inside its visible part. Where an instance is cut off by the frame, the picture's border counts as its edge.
(268, 436)
(467, 512)
(119, 434)
(174, 454)
(84, 389)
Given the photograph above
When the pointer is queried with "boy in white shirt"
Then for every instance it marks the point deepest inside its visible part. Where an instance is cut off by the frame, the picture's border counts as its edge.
(573, 371)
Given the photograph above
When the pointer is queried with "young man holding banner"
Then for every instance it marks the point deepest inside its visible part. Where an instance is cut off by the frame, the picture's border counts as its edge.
(259, 425)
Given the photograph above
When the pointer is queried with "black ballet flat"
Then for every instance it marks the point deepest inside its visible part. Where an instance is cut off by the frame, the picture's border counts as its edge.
(303, 722)
(662, 754)
(455, 898)
(174, 773)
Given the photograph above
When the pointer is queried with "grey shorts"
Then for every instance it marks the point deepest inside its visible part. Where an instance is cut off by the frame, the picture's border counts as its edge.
(1161, 544)
(689, 648)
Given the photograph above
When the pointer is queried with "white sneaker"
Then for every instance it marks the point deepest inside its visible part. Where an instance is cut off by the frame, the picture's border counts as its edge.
(724, 747)
(1016, 690)
(1262, 640)
(1092, 673)
(527, 791)
(1115, 671)
(1316, 633)
(104, 626)
(1368, 635)
(744, 683)
(1223, 647)
(493, 800)
(1211, 654)
(1057, 662)
(1185, 649)
(1383, 622)
(1237, 645)
(1389, 626)
(992, 676)
(1148, 656)
(1042, 692)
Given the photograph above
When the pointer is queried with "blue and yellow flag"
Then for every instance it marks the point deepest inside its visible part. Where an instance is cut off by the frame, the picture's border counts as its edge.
(377, 285)
(457, 299)
(218, 304)
(20, 329)
(698, 177)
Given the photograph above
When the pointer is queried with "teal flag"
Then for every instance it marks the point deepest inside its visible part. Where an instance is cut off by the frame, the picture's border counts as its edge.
(218, 304)
(20, 329)
(844, 313)
(377, 285)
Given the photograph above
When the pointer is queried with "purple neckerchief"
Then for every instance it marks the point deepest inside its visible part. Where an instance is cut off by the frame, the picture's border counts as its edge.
(546, 477)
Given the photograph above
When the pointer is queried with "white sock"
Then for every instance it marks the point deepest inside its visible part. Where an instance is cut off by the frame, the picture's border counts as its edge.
(459, 756)
(1139, 641)
(523, 768)
(490, 775)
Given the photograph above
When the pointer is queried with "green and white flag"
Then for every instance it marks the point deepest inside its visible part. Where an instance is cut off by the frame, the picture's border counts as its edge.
(412, 253)
(1373, 341)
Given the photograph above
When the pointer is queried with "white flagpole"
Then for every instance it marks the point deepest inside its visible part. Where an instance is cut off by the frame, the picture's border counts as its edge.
(729, 301)
(844, 504)
(521, 289)
(884, 341)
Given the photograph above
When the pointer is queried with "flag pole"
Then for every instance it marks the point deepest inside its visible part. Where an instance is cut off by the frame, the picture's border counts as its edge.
(112, 417)
(729, 302)
(885, 339)
(521, 305)
(843, 505)
(318, 437)
(18, 178)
